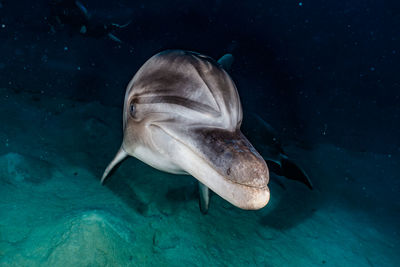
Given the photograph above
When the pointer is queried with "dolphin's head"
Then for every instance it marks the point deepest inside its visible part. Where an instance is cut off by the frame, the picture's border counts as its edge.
(240, 174)
(182, 114)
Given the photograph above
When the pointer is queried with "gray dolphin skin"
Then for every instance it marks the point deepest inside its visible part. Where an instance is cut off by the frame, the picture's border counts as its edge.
(182, 115)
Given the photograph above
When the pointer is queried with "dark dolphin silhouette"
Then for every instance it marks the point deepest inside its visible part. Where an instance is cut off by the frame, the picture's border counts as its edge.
(265, 137)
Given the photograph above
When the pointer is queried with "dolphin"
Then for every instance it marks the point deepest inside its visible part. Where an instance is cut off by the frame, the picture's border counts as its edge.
(182, 115)
(76, 15)
(266, 140)
(262, 134)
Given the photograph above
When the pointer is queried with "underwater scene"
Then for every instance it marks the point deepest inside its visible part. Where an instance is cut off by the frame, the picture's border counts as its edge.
(199, 133)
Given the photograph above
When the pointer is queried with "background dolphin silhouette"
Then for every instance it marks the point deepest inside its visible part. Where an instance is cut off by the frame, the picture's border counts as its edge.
(182, 114)
(264, 135)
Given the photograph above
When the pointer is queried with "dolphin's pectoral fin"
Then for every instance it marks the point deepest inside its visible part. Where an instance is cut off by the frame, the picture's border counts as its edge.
(290, 170)
(204, 198)
(119, 157)
(114, 38)
(294, 172)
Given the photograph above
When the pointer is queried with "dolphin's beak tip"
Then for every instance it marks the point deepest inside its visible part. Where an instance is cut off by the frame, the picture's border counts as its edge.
(257, 201)
(264, 199)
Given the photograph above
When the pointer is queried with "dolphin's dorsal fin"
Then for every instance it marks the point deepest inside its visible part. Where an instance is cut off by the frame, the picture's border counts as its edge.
(119, 157)
(226, 61)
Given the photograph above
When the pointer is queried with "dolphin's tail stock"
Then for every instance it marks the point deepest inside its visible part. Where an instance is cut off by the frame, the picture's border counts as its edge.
(118, 159)
(290, 170)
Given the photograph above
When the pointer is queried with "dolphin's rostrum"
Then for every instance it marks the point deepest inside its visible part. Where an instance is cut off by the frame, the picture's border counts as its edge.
(182, 114)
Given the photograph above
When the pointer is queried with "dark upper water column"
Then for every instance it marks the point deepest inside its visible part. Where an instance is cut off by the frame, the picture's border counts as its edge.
(319, 71)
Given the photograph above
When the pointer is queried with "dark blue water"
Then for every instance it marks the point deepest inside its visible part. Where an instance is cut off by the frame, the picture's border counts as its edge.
(323, 74)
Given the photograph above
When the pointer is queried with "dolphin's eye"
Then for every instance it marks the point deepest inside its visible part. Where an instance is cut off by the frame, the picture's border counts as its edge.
(132, 109)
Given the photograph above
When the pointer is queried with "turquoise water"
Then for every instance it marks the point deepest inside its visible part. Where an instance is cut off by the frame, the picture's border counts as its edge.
(54, 212)
(323, 74)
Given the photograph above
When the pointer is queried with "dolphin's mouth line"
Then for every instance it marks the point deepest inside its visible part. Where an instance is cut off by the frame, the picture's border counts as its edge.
(194, 152)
